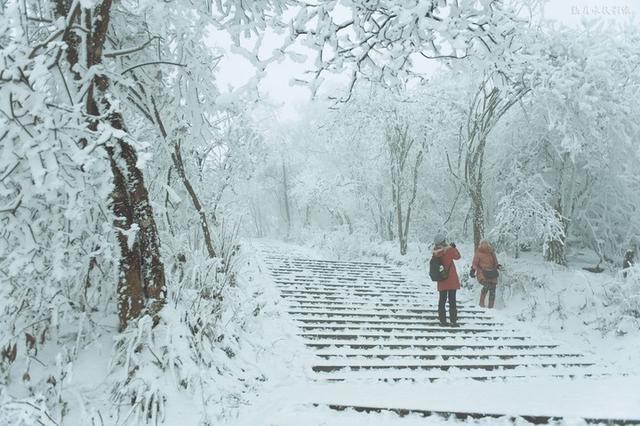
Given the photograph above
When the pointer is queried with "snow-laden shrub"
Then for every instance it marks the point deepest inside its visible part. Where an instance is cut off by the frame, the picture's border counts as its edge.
(189, 354)
(154, 358)
(24, 412)
(622, 297)
(520, 285)
(569, 299)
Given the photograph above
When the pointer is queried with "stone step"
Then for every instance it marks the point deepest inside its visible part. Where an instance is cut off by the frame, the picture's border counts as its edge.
(427, 336)
(469, 416)
(332, 272)
(380, 295)
(391, 308)
(442, 355)
(307, 261)
(442, 346)
(351, 290)
(311, 284)
(348, 312)
(487, 365)
(372, 322)
(336, 269)
(346, 278)
(416, 331)
(374, 303)
(408, 375)
(384, 303)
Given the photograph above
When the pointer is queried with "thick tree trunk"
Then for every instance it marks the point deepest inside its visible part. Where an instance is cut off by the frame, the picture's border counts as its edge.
(141, 281)
(152, 268)
(130, 282)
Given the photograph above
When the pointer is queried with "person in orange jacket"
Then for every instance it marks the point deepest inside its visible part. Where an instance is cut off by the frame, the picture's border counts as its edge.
(485, 268)
(447, 288)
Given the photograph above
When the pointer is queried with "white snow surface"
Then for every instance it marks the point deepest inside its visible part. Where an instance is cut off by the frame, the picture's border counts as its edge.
(269, 380)
(297, 397)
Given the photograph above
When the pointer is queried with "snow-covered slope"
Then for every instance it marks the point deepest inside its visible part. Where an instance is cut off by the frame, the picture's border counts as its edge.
(376, 345)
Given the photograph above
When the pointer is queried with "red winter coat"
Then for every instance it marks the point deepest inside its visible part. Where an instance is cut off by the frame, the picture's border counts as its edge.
(485, 258)
(447, 256)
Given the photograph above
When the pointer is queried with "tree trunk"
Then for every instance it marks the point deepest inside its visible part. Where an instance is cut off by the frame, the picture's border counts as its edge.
(141, 281)
(152, 267)
(204, 224)
(285, 189)
(176, 157)
(347, 220)
(130, 283)
(398, 207)
(487, 107)
(477, 206)
(414, 193)
(556, 250)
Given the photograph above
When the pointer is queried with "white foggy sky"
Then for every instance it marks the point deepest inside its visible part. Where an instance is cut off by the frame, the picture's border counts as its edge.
(235, 71)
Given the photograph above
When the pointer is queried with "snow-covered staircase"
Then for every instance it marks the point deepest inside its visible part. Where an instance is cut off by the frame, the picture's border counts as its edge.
(375, 345)
(364, 321)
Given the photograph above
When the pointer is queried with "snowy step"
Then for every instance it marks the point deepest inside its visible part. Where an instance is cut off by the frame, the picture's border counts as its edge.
(349, 289)
(452, 345)
(335, 263)
(331, 282)
(374, 301)
(469, 416)
(346, 279)
(371, 303)
(420, 375)
(294, 285)
(451, 365)
(441, 354)
(384, 295)
(337, 266)
(314, 311)
(393, 330)
(332, 274)
(333, 321)
(392, 308)
(343, 272)
(427, 336)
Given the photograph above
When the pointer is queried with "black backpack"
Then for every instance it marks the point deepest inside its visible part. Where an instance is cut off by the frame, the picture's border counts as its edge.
(437, 272)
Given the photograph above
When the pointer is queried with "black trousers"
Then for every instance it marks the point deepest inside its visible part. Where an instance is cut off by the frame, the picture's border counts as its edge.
(453, 309)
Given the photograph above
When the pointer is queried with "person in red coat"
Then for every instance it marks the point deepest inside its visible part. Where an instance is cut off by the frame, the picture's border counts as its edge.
(485, 268)
(448, 287)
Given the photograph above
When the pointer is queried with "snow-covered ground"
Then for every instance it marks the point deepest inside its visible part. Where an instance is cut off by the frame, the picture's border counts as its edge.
(597, 313)
(262, 370)
(568, 305)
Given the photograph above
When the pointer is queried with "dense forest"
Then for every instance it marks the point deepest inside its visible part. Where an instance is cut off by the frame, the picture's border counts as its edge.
(129, 178)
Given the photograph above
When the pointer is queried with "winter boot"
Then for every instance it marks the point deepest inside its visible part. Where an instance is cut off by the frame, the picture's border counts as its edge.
(482, 297)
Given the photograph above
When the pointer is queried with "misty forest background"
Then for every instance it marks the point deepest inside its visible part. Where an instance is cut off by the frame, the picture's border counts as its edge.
(129, 177)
